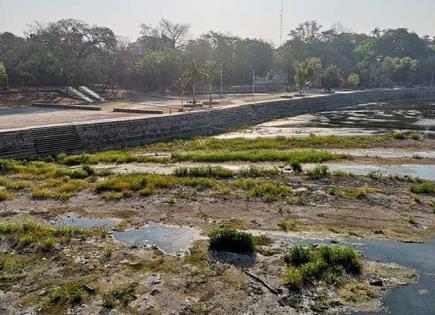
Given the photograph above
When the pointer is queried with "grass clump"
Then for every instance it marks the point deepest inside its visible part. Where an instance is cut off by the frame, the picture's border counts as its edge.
(205, 172)
(319, 172)
(30, 233)
(4, 195)
(8, 167)
(276, 143)
(136, 182)
(303, 156)
(69, 294)
(106, 157)
(232, 240)
(307, 265)
(270, 192)
(423, 188)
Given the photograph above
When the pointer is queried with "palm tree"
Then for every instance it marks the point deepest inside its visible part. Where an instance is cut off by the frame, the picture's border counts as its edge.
(193, 74)
(212, 71)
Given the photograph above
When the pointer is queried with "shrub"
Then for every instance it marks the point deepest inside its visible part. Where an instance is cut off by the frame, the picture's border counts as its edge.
(8, 167)
(318, 172)
(293, 278)
(325, 263)
(4, 195)
(298, 256)
(227, 239)
(399, 136)
(423, 188)
(109, 301)
(296, 167)
(71, 293)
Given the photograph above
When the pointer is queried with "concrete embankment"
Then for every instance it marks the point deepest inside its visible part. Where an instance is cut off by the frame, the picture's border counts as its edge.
(120, 133)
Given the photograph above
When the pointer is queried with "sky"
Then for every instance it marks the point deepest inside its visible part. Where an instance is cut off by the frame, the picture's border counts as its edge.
(246, 18)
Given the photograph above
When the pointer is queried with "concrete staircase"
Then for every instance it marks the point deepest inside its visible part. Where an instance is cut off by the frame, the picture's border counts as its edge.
(55, 140)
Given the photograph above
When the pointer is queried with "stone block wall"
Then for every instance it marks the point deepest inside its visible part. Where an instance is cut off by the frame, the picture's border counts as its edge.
(98, 136)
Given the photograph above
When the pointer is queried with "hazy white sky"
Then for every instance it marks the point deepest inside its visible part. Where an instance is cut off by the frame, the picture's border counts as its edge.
(247, 18)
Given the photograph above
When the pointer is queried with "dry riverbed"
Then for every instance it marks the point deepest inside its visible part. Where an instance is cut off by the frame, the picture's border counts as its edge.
(114, 268)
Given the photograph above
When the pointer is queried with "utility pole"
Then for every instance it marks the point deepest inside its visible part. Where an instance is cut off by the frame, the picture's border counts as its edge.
(222, 81)
(253, 84)
(282, 22)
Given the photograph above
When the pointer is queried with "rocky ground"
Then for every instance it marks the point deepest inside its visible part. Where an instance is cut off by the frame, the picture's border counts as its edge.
(93, 273)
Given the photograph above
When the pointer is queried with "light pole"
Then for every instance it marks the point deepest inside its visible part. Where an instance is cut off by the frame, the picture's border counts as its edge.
(222, 81)
(253, 85)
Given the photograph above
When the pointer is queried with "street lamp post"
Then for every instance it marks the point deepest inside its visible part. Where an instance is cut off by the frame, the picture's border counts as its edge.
(253, 84)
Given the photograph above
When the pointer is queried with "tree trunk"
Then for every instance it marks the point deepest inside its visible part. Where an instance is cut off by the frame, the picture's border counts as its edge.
(211, 96)
(194, 93)
(433, 77)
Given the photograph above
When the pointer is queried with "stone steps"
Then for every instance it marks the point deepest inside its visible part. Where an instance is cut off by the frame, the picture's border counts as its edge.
(54, 140)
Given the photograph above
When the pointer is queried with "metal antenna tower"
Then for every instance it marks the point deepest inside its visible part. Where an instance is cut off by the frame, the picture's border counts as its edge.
(282, 20)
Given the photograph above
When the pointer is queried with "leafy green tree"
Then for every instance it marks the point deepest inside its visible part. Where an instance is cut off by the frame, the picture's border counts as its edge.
(212, 71)
(353, 80)
(161, 68)
(72, 44)
(307, 72)
(3, 74)
(193, 74)
(331, 77)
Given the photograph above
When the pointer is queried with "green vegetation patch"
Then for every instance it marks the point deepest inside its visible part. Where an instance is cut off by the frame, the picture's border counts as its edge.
(423, 188)
(304, 156)
(268, 191)
(232, 240)
(30, 233)
(319, 172)
(326, 263)
(276, 143)
(107, 157)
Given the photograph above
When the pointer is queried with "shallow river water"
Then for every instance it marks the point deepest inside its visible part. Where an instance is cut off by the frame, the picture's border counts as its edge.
(418, 298)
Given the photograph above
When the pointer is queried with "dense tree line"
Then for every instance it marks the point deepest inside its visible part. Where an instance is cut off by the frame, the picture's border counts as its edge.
(71, 52)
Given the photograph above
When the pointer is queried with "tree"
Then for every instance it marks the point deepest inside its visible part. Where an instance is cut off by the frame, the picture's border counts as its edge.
(307, 72)
(176, 32)
(212, 71)
(161, 68)
(331, 77)
(194, 74)
(3, 74)
(71, 43)
(165, 36)
(353, 80)
(397, 70)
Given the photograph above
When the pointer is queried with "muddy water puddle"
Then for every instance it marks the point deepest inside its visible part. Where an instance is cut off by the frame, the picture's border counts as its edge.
(386, 154)
(418, 298)
(422, 171)
(73, 219)
(169, 239)
(365, 119)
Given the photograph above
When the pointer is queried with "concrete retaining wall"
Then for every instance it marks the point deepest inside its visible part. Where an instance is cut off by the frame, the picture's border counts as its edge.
(99, 136)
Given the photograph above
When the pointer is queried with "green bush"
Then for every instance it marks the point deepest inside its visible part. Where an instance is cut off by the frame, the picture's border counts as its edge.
(318, 172)
(71, 293)
(4, 195)
(293, 278)
(227, 239)
(298, 256)
(296, 167)
(109, 301)
(8, 167)
(325, 263)
(423, 188)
